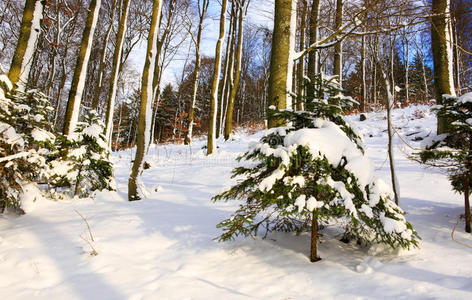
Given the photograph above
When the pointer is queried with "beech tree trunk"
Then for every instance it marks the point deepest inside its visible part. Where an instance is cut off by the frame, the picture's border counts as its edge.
(29, 34)
(281, 62)
(312, 67)
(202, 9)
(442, 54)
(115, 72)
(80, 73)
(145, 112)
(301, 63)
(234, 89)
(338, 47)
(215, 82)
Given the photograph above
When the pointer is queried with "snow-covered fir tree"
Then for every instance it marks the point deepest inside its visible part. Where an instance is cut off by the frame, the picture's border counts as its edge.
(314, 170)
(25, 140)
(81, 164)
(453, 150)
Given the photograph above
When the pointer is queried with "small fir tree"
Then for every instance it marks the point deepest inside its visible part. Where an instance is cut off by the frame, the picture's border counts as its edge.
(25, 140)
(82, 162)
(312, 171)
(453, 150)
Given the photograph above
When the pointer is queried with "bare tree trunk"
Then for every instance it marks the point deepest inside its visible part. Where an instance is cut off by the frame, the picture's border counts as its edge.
(115, 72)
(281, 62)
(216, 79)
(145, 112)
(202, 10)
(407, 69)
(80, 74)
(301, 63)
(227, 70)
(363, 76)
(390, 100)
(234, 89)
(24, 51)
(467, 188)
(313, 55)
(338, 47)
(103, 56)
(314, 239)
(442, 54)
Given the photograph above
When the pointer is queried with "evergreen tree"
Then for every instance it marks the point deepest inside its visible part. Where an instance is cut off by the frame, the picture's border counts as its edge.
(417, 79)
(453, 150)
(81, 165)
(313, 171)
(25, 139)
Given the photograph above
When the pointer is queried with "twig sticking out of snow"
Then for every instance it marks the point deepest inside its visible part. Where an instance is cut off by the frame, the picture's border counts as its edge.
(94, 251)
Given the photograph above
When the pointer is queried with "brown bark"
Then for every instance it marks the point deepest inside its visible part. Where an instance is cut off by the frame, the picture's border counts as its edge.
(202, 9)
(146, 98)
(215, 82)
(280, 61)
(77, 86)
(338, 47)
(440, 39)
(313, 55)
(314, 239)
(234, 89)
(19, 67)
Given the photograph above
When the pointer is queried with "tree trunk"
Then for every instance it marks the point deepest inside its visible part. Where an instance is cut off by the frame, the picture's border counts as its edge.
(215, 82)
(80, 73)
(363, 76)
(313, 55)
(338, 47)
(281, 62)
(115, 72)
(407, 69)
(301, 63)
(196, 74)
(442, 54)
(234, 89)
(25, 48)
(103, 56)
(227, 70)
(145, 112)
(390, 100)
(467, 189)
(314, 239)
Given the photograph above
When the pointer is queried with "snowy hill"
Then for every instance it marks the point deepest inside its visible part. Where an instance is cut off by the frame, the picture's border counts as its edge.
(163, 247)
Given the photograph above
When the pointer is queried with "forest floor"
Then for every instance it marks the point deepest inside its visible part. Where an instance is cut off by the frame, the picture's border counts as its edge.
(163, 248)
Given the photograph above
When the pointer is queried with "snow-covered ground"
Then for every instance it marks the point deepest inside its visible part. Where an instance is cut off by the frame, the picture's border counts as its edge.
(163, 247)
